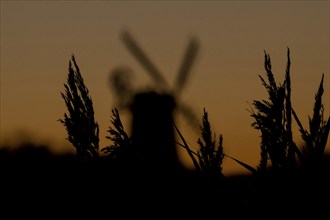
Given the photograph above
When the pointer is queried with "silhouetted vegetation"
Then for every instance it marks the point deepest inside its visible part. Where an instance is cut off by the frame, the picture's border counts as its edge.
(82, 129)
(131, 176)
(316, 138)
(274, 120)
(209, 155)
(121, 144)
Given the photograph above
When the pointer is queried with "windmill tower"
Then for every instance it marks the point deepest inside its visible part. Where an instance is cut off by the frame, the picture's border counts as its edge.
(153, 135)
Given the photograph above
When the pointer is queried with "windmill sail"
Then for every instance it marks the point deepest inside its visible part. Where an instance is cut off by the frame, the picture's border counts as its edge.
(138, 53)
(186, 65)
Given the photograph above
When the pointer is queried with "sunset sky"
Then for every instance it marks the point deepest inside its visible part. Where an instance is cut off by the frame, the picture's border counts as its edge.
(39, 37)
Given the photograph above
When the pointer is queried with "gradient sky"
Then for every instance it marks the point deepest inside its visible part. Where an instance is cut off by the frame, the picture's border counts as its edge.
(39, 37)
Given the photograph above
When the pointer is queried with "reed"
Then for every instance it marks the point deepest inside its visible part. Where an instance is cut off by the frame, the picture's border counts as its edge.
(273, 119)
(121, 144)
(208, 159)
(315, 139)
(81, 126)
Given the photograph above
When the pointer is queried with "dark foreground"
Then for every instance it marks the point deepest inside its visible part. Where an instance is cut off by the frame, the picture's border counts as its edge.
(35, 183)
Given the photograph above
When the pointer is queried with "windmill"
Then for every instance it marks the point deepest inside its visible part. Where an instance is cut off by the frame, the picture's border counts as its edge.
(152, 110)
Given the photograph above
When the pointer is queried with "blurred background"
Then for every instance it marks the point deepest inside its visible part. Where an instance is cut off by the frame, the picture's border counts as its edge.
(39, 37)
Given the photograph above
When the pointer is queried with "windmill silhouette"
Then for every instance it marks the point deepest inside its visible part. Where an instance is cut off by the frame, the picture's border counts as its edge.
(153, 136)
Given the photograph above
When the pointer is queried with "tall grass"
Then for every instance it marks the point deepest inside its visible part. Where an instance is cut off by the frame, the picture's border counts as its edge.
(273, 119)
(80, 124)
(121, 144)
(279, 194)
(210, 154)
(208, 159)
(315, 139)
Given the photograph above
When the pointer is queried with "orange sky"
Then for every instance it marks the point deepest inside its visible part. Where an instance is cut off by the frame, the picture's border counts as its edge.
(38, 38)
